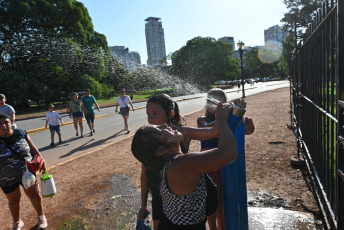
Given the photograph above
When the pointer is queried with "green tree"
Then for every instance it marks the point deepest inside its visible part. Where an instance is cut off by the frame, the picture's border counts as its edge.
(49, 49)
(300, 13)
(257, 67)
(203, 61)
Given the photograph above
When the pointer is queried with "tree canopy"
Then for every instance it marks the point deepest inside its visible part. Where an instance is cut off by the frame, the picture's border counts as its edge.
(300, 13)
(49, 49)
(203, 61)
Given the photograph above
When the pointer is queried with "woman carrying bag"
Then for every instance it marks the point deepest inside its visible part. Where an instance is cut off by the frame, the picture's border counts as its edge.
(75, 110)
(123, 102)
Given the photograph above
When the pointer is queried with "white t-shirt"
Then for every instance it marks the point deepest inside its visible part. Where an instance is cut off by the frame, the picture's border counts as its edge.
(121, 102)
(53, 118)
(7, 109)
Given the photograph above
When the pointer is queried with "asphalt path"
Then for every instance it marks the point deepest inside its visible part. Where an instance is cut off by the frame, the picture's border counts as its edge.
(109, 125)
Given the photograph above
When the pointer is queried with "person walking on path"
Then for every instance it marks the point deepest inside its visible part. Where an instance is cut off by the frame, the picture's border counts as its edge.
(16, 147)
(53, 118)
(76, 108)
(88, 100)
(7, 109)
(123, 102)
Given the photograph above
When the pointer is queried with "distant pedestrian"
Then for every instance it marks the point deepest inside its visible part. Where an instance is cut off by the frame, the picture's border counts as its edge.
(88, 100)
(238, 86)
(76, 108)
(123, 102)
(7, 109)
(53, 118)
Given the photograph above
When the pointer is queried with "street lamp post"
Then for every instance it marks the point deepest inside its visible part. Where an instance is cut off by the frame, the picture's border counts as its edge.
(241, 47)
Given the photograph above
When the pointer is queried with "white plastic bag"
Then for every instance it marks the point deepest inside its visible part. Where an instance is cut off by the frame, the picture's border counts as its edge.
(28, 178)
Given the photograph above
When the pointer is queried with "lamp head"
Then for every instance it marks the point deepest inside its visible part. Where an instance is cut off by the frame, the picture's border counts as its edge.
(241, 45)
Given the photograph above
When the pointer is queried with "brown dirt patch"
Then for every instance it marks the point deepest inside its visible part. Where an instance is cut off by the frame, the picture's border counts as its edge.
(102, 188)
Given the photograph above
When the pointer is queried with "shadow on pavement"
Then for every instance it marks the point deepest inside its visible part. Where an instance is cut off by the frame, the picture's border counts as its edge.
(91, 144)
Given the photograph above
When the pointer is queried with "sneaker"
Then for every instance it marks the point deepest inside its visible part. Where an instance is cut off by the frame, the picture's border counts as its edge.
(91, 133)
(77, 134)
(18, 225)
(42, 222)
(128, 130)
(94, 131)
(52, 144)
(60, 141)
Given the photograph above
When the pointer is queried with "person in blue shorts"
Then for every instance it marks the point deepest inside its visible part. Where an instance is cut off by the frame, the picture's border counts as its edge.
(88, 100)
(53, 118)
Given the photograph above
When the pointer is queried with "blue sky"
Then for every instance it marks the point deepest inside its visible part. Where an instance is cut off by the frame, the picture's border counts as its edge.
(122, 21)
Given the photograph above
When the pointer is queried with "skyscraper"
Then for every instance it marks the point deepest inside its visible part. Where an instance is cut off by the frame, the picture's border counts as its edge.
(275, 33)
(155, 41)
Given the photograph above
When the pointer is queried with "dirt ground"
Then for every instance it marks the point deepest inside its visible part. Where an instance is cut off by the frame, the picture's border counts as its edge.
(101, 190)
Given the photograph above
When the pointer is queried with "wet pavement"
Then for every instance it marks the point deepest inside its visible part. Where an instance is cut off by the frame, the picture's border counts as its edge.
(121, 200)
(279, 219)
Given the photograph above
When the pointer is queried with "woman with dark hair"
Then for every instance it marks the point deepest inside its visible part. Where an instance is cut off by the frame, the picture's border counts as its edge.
(161, 109)
(16, 147)
(183, 183)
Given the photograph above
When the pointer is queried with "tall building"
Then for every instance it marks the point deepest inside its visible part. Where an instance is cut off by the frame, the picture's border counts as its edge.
(120, 53)
(155, 41)
(275, 33)
(229, 40)
(129, 59)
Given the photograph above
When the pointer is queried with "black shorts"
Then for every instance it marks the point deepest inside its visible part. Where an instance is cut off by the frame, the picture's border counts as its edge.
(123, 111)
(13, 187)
(89, 117)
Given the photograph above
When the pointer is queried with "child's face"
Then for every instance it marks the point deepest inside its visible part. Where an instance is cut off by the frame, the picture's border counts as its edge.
(51, 109)
(156, 115)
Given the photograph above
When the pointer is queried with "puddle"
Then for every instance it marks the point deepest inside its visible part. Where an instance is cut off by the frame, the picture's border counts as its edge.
(279, 219)
(117, 210)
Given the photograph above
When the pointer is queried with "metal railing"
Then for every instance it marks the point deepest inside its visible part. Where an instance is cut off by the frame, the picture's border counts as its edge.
(317, 107)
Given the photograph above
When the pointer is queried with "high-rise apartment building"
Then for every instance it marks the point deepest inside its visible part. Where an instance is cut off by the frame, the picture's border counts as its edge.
(155, 41)
(275, 33)
(130, 60)
(120, 53)
(229, 40)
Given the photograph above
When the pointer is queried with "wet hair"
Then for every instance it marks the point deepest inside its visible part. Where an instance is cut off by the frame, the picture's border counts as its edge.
(168, 105)
(218, 95)
(146, 144)
(5, 116)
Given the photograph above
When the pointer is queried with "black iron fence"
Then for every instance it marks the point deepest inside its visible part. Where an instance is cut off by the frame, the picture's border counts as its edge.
(317, 106)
